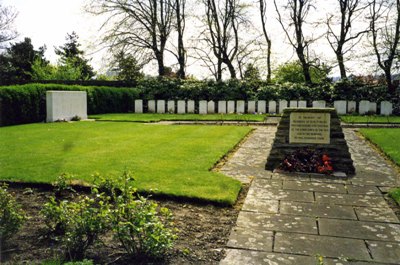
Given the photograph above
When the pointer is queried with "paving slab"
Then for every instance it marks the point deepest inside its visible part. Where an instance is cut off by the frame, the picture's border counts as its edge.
(267, 183)
(242, 257)
(313, 186)
(385, 251)
(313, 245)
(351, 199)
(254, 204)
(359, 229)
(343, 261)
(278, 194)
(374, 178)
(363, 190)
(318, 210)
(252, 239)
(385, 215)
(277, 222)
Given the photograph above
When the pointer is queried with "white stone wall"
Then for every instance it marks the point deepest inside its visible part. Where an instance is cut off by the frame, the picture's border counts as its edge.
(64, 105)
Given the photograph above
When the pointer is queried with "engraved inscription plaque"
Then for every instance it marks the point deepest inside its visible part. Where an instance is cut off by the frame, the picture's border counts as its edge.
(309, 128)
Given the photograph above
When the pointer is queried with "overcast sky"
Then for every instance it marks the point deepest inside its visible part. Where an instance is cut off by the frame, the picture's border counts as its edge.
(48, 22)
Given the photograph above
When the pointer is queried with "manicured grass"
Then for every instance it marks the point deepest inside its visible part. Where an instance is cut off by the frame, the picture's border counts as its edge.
(154, 117)
(370, 119)
(387, 140)
(395, 194)
(172, 160)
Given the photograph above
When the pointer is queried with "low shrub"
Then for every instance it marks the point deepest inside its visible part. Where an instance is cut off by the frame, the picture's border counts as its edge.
(11, 215)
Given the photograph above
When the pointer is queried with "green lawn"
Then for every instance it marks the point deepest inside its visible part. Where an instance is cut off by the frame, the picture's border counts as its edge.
(154, 117)
(369, 119)
(388, 141)
(172, 160)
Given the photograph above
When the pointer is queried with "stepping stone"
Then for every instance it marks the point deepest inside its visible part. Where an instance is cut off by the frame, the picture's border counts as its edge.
(351, 199)
(359, 229)
(364, 190)
(318, 210)
(284, 195)
(376, 214)
(385, 251)
(314, 186)
(322, 245)
(240, 257)
(247, 238)
(277, 222)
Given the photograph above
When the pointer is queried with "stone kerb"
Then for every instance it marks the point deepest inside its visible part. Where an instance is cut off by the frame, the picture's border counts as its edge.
(64, 105)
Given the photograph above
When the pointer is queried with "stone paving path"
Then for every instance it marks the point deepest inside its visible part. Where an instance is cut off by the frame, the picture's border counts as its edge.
(295, 219)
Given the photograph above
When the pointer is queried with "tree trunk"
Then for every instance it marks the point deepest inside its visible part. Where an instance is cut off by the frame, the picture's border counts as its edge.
(340, 59)
(388, 77)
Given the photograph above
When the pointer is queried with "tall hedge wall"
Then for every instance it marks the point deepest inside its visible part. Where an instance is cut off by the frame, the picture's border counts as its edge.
(26, 103)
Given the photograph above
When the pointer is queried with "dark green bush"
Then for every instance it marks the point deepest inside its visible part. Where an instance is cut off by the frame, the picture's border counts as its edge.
(11, 215)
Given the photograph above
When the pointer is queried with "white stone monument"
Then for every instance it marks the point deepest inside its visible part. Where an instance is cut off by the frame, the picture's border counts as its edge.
(251, 106)
(372, 107)
(222, 106)
(363, 107)
(261, 106)
(171, 106)
(138, 106)
(181, 107)
(293, 104)
(386, 108)
(190, 106)
(272, 107)
(282, 105)
(203, 107)
(151, 106)
(302, 104)
(351, 106)
(240, 106)
(340, 106)
(319, 104)
(231, 106)
(64, 105)
(161, 106)
(211, 107)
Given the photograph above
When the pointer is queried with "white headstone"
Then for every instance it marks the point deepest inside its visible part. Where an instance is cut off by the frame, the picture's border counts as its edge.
(211, 107)
(319, 104)
(231, 106)
(293, 104)
(386, 108)
(282, 105)
(363, 107)
(64, 105)
(302, 104)
(340, 106)
(181, 107)
(372, 107)
(203, 107)
(138, 106)
(161, 106)
(272, 107)
(240, 106)
(190, 106)
(351, 106)
(261, 106)
(151, 106)
(251, 106)
(171, 106)
(222, 106)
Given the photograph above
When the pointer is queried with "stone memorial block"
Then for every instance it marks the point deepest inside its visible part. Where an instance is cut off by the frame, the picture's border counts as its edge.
(64, 105)
(302, 104)
(340, 106)
(161, 106)
(222, 106)
(363, 107)
(240, 106)
(171, 106)
(386, 108)
(308, 128)
(272, 107)
(138, 106)
(372, 107)
(203, 107)
(351, 106)
(231, 106)
(151, 106)
(211, 107)
(319, 104)
(293, 104)
(282, 105)
(190, 106)
(181, 107)
(261, 106)
(251, 106)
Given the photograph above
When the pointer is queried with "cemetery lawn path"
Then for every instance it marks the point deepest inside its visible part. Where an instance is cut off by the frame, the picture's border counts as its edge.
(165, 159)
(153, 117)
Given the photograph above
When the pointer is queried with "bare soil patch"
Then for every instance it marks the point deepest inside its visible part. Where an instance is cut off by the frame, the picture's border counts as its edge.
(203, 231)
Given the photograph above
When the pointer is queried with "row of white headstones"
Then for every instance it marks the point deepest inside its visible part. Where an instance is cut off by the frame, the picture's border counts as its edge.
(67, 104)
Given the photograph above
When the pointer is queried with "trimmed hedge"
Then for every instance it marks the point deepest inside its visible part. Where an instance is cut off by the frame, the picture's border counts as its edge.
(26, 103)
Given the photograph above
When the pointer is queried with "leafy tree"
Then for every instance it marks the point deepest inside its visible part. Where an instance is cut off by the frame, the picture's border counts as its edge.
(293, 72)
(71, 56)
(127, 67)
(251, 72)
